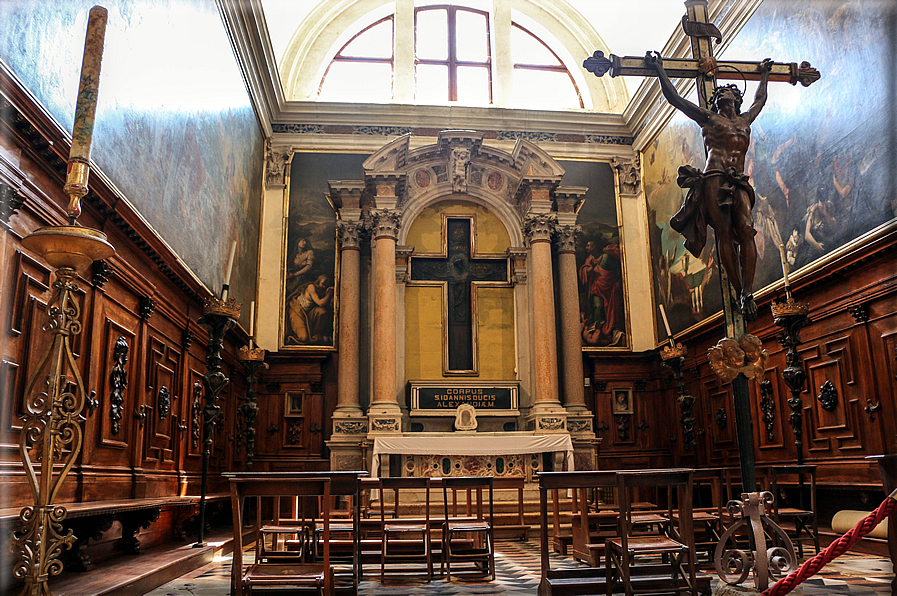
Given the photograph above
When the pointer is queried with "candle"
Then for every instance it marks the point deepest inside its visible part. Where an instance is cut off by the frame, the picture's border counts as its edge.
(251, 324)
(86, 106)
(230, 269)
(785, 268)
(666, 325)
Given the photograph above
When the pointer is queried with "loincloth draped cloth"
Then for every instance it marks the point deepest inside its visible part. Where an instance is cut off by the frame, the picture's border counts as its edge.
(691, 220)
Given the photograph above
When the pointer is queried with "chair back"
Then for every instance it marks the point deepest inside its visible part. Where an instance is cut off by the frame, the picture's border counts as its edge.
(397, 484)
(275, 486)
(677, 480)
(474, 486)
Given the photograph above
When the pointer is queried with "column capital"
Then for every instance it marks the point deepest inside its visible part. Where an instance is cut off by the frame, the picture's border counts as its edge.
(565, 236)
(276, 160)
(385, 223)
(629, 176)
(539, 227)
(349, 234)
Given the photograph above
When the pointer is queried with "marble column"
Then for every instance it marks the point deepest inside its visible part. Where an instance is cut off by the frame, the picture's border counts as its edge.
(571, 337)
(384, 414)
(546, 414)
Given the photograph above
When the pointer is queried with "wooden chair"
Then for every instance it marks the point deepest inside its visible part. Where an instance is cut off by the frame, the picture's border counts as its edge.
(518, 528)
(317, 575)
(630, 549)
(481, 552)
(593, 523)
(398, 531)
(708, 508)
(802, 517)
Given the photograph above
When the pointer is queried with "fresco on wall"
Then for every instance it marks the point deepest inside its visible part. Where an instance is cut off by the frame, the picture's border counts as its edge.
(311, 274)
(175, 131)
(599, 258)
(817, 158)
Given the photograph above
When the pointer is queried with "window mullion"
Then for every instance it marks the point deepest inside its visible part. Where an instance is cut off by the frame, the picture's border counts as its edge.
(452, 56)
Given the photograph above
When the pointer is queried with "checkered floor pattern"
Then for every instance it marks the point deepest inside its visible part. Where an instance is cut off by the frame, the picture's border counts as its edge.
(517, 572)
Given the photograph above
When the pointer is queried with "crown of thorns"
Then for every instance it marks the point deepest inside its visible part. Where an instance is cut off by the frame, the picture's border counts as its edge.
(719, 90)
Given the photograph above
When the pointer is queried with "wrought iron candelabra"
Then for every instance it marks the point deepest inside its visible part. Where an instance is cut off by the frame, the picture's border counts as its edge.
(673, 357)
(219, 315)
(253, 360)
(792, 316)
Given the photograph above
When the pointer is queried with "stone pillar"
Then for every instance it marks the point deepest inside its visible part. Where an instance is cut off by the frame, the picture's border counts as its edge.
(571, 337)
(384, 414)
(546, 414)
(350, 425)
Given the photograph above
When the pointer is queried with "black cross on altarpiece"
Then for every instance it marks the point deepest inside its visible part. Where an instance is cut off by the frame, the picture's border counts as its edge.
(458, 271)
(705, 69)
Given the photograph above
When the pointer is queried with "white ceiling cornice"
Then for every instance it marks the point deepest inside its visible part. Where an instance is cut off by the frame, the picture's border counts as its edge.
(245, 24)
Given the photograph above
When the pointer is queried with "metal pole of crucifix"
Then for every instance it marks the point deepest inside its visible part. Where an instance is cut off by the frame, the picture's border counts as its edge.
(721, 195)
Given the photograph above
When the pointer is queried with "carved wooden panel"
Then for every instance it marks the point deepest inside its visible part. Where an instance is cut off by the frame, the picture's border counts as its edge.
(161, 394)
(770, 401)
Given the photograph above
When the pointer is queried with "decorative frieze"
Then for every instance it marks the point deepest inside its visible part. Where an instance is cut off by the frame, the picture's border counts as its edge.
(351, 427)
(384, 425)
(551, 423)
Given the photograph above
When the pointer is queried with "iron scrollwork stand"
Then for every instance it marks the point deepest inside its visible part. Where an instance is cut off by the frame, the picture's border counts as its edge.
(219, 316)
(792, 316)
(253, 360)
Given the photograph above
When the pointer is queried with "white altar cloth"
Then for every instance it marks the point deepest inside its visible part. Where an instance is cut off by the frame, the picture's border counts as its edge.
(471, 444)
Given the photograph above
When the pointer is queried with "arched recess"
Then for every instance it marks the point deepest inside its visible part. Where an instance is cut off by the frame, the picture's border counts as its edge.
(315, 41)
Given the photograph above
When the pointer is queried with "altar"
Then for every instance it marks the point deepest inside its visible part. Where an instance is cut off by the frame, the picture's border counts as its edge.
(476, 454)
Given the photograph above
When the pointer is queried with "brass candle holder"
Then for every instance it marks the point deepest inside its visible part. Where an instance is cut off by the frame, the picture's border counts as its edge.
(793, 316)
(673, 357)
(219, 315)
(51, 436)
(253, 360)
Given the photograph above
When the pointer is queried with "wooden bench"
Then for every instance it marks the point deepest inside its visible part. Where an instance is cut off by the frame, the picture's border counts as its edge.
(89, 520)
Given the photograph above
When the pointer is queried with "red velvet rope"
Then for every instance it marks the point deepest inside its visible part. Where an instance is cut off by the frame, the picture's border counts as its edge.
(834, 550)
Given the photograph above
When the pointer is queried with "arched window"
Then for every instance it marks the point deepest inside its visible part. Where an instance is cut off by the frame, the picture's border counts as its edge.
(362, 70)
(453, 62)
(540, 78)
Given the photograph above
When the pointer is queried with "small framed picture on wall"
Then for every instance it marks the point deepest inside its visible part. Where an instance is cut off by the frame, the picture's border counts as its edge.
(293, 403)
(622, 401)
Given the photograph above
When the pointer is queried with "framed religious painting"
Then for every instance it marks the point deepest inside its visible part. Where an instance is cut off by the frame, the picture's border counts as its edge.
(601, 267)
(293, 403)
(310, 285)
(622, 401)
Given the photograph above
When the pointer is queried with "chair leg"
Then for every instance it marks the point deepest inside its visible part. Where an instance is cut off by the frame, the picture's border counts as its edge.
(429, 556)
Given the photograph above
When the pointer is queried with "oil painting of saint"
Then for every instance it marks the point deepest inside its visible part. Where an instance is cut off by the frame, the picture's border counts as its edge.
(599, 259)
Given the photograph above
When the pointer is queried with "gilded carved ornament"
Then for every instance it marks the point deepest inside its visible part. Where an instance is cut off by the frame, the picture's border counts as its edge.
(729, 357)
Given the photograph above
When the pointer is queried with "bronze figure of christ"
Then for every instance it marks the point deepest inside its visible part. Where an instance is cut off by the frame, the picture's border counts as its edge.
(459, 270)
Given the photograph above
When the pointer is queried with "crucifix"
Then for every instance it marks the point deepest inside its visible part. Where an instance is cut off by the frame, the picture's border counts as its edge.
(721, 196)
(458, 272)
